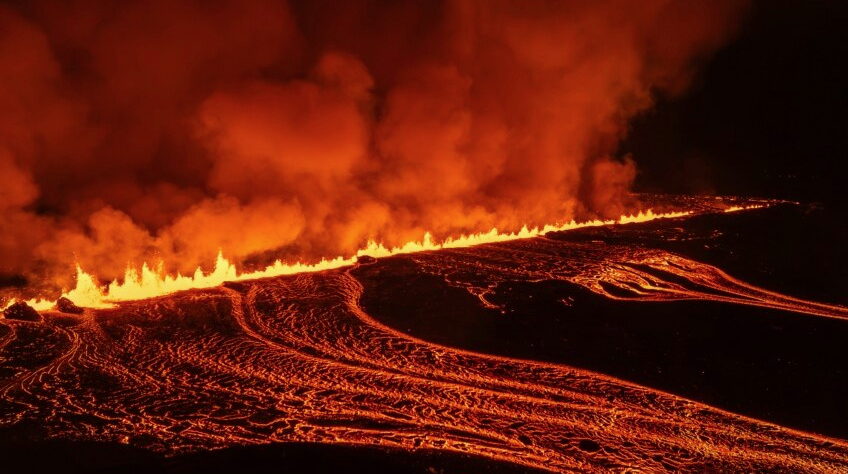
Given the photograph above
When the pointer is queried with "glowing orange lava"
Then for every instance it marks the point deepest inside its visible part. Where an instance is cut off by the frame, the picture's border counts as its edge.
(745, 208)
(299, 359)
(150, 282)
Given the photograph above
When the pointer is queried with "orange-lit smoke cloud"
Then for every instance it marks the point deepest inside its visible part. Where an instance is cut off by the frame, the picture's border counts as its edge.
(170, 129)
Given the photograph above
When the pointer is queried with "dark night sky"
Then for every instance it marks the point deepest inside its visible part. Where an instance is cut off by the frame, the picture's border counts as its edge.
(766, 117)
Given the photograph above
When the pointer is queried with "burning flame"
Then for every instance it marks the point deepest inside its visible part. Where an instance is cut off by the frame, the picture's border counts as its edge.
(744, 208)
(150, 283)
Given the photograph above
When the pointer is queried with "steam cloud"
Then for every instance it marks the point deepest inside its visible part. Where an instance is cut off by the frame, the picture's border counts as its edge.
(169, 129)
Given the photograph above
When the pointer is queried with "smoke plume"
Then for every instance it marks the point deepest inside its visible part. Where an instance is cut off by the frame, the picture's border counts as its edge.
(165, 130)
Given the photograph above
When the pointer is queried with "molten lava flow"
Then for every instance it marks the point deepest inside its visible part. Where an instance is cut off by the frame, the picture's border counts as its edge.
(299, 359)
(625, 272)
(744, 208)
(150, 283)
(650, 276)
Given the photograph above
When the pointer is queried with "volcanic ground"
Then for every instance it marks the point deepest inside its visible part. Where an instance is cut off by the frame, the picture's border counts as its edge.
(711, 343)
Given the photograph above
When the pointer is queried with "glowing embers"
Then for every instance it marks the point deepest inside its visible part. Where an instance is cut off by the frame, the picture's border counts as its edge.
(149, 283)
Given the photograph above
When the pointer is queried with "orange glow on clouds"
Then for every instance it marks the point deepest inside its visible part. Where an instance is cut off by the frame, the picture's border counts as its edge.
(170, 130)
